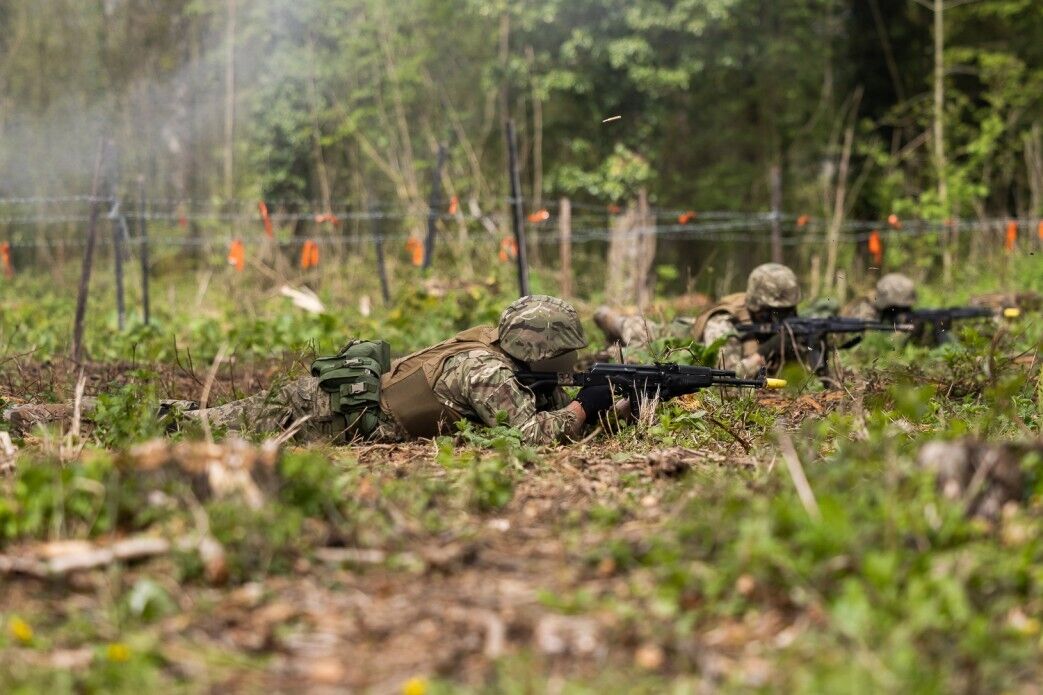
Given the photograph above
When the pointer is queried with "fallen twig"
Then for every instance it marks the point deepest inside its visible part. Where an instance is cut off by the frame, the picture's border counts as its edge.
(7, 454)
(58, 559)
(211, 375)
(796, 472)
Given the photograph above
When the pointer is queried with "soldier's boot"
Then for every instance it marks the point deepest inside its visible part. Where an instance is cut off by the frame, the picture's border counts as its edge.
(610, 322)
(627, 330)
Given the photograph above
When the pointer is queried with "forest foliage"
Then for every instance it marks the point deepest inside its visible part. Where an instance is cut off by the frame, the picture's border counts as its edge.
(346, 101)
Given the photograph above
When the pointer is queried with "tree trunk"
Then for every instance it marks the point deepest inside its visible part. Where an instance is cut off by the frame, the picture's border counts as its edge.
(644, 252)
(229, 158)
(940, 163)
(565, 241)
(775, 179)
(839, 198)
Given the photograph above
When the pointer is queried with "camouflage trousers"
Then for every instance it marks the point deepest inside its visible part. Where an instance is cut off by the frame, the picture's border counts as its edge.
(282, 406)
(638, 331)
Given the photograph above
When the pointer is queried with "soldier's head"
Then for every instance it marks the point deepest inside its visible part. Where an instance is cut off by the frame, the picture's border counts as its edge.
(772, 290)
(543, 332)
(895, 291)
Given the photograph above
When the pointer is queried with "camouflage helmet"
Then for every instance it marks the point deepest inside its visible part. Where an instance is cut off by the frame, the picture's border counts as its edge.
(895, 289)
(538, 327)
(772, 286)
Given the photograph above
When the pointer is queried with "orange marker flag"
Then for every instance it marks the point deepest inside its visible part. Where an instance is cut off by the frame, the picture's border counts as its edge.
(327, 217)
(614, 209)
(1039, 231)
(265, 219)
(5, 260)
(454, 205)
(802, 221)
(508, 249)
(416, 251)
(876, 247)
(309, 254)
(893, 220)
(237, 255)
(539, 216)
(1011, 239)
(686, 217)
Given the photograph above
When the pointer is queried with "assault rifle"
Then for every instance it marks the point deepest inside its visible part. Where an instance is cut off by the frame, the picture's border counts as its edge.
(940, 320)
(807, 338)
(641, 382)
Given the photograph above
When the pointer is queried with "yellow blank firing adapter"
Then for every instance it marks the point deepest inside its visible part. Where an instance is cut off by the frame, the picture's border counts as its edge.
(775, 383)
(1011, 312)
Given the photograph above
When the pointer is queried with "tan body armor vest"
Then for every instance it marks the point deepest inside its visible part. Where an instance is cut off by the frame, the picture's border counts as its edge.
(735, 306)
(407, 392)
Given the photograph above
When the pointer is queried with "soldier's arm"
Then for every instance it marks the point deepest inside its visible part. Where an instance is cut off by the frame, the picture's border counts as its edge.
(486, 386)
(730, 355)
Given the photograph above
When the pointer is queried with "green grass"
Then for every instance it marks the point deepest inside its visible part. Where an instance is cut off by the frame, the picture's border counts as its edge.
(891, 589)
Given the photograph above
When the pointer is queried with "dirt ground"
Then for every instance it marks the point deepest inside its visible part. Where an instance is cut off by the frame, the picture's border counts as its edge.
(371, 618)
(23, 379)
(417, 604)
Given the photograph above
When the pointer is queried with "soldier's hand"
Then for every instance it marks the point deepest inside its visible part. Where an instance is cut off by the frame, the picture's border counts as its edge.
(594, 400)
(770, 347)
(622, 410)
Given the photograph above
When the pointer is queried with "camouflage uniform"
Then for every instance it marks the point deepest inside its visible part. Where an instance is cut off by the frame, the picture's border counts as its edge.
(730, 356)
(478, 384)
(893, 291)
(635, 331)
(769, 286)
(274, 411)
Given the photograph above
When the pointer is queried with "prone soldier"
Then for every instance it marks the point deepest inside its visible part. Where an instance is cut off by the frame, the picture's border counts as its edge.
(894, 302)
(772, 294)
(469, 376)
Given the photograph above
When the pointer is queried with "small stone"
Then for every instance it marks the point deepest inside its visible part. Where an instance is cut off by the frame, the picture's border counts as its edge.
(650, 657)
(327, 670)
(745, 585)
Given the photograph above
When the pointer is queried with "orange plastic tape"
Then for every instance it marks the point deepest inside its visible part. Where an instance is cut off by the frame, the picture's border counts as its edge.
(508, 249)
(327, 217)
(1011, 238)
(876, 247)
(416, 251)
(265, 219)
(237, 255)
(5, 259)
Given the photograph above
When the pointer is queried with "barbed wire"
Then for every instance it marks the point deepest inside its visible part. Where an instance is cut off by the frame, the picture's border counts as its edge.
(709, 226)
(722, 232)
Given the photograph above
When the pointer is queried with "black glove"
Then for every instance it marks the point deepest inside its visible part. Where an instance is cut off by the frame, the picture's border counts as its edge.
(770, 347)
(595, 400)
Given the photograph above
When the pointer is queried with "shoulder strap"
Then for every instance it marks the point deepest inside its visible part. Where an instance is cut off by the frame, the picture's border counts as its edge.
(734, 304)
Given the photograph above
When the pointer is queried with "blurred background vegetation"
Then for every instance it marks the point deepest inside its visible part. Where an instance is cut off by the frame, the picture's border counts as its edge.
(346, 101)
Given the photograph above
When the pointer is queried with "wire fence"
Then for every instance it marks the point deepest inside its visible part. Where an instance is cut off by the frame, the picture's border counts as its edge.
(220, 224)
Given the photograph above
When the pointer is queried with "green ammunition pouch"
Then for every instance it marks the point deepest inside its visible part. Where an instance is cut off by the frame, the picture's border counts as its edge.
(352, 379)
